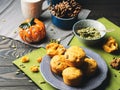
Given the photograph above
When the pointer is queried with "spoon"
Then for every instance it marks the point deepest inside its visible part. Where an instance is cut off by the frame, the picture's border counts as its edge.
(107, 30)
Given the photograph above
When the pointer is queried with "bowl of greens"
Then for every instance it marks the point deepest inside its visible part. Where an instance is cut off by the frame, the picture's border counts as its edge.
(89, 31)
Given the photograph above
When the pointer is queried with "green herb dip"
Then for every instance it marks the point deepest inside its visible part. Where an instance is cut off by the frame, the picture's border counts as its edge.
(89, 33)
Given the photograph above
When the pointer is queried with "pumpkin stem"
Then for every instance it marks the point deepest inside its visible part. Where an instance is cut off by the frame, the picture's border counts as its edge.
(32, 22)
(26, 25)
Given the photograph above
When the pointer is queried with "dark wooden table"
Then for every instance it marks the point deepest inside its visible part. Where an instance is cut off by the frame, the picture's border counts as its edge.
(11, 49)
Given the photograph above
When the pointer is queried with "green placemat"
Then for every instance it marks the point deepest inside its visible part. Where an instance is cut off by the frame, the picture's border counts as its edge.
(112, 81)
(25, 67)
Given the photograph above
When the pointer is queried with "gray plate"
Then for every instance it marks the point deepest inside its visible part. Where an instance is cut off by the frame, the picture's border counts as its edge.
(88, 84)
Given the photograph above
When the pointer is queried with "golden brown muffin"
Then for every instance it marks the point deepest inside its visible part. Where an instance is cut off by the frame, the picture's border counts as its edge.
(58, 64)
(75, 56)
(55, 49)
(72, 76)
(89, 66)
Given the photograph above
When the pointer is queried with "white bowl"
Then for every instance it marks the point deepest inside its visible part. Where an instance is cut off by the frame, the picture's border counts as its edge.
(89, 23)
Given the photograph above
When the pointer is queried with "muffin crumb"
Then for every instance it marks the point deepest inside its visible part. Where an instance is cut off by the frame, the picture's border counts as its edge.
(39, 59)
(34, 69)
(24, 59)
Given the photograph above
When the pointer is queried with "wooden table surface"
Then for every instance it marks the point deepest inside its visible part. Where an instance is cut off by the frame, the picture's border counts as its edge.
(11, 49)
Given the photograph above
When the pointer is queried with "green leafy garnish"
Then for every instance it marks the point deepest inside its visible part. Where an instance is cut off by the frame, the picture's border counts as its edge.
(26, 25)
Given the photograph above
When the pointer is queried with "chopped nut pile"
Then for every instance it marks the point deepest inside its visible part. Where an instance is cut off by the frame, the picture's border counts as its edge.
(66, 8)
(115, 63)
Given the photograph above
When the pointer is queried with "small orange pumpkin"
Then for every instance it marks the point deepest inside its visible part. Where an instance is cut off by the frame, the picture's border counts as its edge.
(32, 31)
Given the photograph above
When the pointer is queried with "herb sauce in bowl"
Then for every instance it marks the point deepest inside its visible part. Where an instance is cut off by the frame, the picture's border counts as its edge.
(89, 33)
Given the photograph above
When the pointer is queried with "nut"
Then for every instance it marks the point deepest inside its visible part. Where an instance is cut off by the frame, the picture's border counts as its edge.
(68, 8)
(115, 63)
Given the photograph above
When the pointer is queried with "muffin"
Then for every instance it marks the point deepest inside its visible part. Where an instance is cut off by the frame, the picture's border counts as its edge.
(90, 66)
(58, 64)
(55, 49)
(75, 56)
(72, 76)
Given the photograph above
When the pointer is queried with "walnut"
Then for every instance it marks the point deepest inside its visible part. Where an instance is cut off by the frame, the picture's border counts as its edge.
(115, 63)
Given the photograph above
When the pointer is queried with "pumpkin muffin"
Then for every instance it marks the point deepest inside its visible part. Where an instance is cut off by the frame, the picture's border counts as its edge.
(72, 76)
(55, 49)
(75, 56)
(58, 64)
(90, 66)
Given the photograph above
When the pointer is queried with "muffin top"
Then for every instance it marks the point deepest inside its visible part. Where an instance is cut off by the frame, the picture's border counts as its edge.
(72, 73)
(75, 55)
(58, 64)
(90, 66)
(55, 49)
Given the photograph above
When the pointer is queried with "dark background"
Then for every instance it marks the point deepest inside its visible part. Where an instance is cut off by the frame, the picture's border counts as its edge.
(109, 9)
